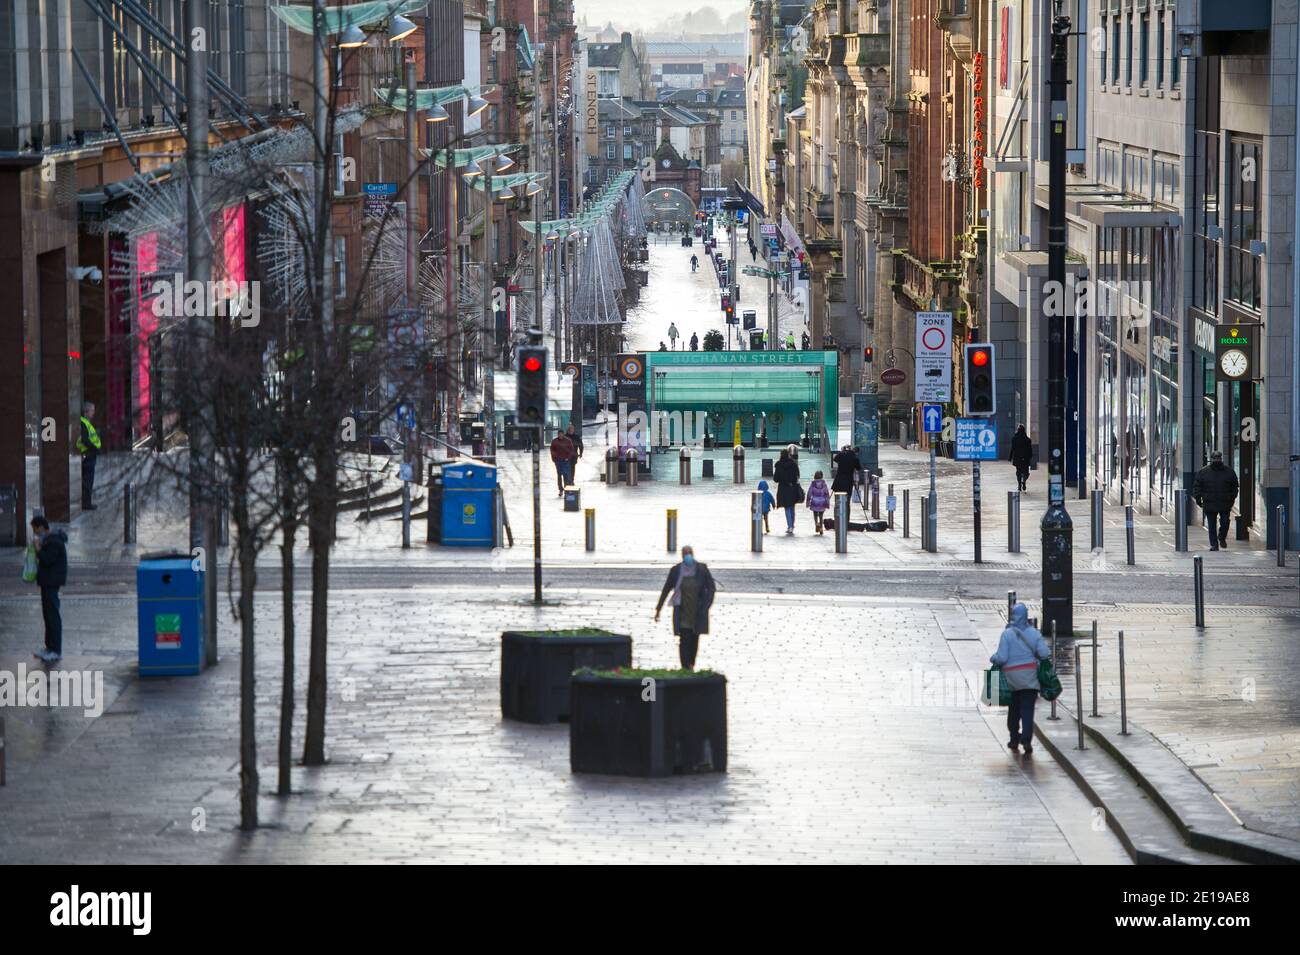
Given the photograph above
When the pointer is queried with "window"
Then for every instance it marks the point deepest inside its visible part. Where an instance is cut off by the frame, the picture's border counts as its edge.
(1128, 49)
(1166, 179)
(1243, 173)
(1105, 31)
(1174, 62)
(609, 150)
(733, 114)
(340, 267)
(1144, 49)
(609, 130)
(1114, 45)
(627, 151)
(1205, 221)
(339, 160)
(1160, 49)
(627, 131)
(1108, 171)
(1137, 173)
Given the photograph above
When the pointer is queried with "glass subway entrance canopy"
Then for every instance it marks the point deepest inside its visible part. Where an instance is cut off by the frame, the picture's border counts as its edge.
(794, 393)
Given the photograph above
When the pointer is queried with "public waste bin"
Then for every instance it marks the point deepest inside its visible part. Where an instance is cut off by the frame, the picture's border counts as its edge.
(468, 499)
(169, 615)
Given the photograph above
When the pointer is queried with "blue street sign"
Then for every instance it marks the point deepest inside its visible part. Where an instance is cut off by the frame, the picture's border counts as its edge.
(932, 417)
(977, 439)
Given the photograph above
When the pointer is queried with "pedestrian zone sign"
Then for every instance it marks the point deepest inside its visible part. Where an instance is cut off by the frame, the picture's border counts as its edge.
(977, 439)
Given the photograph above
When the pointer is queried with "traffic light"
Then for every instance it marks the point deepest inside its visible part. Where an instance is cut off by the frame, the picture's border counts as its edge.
(868, 354)
(532, 385)
(980, 380)
(731, 313)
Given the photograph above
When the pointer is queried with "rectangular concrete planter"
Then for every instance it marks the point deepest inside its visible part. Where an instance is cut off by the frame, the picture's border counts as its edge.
(614, 728)
(536, 665)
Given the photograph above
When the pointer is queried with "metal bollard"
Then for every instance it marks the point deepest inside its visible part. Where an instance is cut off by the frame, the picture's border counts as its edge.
(406, 515)
(1011, 602)
(1078, 694)
(1052, 715)
(907, 512)
(128, 514)
(841, 522)
(902, 435)
(1094, 669)
(1098, 521)
(1128, 533)
(684, 466)
(888, 497)
(1198, 585)
(932, 522)
(738, 465)
(925, 522)
(1013, 522)
(672, 530)
(589, 516)
(1180, 521)
(633, 471)
(1280, 529)
(875, 498)
(756, 522)
(611, 467)
(1123, 691)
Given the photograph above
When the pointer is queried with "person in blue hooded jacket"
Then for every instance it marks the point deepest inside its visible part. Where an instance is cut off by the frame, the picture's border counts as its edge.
(1019, 650)
(769, 502)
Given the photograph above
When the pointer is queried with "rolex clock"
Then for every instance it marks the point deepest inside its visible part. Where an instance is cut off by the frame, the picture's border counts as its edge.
(1234, 364)
(1236, 351)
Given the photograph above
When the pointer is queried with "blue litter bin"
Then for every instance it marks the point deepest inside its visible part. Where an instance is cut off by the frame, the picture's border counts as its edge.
(169, 615)
(468, 502)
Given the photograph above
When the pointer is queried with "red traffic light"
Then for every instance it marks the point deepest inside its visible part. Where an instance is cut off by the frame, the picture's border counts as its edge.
(868, 353)
(532, 363)
(979, 358)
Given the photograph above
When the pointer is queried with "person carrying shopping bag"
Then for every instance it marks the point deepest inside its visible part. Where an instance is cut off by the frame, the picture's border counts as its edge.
(1020, 649)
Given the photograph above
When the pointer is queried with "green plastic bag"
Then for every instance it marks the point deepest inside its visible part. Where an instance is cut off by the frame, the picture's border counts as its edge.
(29, 564)
(995, 692)
(1049, 684)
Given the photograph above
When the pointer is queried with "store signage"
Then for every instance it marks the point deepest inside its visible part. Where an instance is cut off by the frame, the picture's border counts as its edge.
(1236, 351)
(977, 116)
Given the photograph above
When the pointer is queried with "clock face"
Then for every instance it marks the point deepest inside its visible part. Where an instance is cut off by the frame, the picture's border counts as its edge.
(1234, 363)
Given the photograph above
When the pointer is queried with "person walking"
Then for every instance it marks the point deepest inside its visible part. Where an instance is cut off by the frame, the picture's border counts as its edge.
(819, 500)
(847, 467)
(673, 335)
(695, 342)
(562, 455)
(789, 341)
(788, 491)
(695, 263)
(1020, 648)
(51, 574)
(769, 502)
(88, 444)
(1215, 491)
(575, 435)
(691, 588)
(1022, 455)
(807, 342)
(662, 346)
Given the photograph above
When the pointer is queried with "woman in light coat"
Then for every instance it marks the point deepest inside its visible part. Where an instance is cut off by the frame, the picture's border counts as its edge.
(1019, 650)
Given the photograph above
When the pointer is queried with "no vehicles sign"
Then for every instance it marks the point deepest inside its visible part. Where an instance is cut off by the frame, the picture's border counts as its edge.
(933, 356)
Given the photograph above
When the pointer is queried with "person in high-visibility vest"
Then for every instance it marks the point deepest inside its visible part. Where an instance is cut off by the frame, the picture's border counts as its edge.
(88, 444)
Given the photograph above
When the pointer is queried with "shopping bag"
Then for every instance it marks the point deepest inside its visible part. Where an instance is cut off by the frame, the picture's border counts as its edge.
(29, 564)
(995, 690)
(1049, 684)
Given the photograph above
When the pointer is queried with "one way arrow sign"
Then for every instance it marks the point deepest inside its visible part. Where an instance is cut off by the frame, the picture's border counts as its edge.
(932, 416)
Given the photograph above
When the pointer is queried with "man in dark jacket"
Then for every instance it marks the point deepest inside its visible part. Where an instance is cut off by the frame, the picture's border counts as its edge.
(51, 574)
(575, 435)
(1215, 491)
(562, 455)
(1022, 455)
(691, 586)
(847, 465)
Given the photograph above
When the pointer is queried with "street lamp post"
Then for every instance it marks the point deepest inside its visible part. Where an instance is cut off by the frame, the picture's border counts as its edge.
(1057, 528)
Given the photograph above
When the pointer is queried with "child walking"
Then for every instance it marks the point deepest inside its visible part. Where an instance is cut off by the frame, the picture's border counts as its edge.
(769, 502)
(819, 499)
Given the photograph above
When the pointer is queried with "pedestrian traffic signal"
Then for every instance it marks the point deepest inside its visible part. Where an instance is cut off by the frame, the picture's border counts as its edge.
(532, 385)
(868, 354)
(979, 380)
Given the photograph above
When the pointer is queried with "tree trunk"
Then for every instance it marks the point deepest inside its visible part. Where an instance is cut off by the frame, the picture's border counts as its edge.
(285, 785)
(248, 782)
(322, 510)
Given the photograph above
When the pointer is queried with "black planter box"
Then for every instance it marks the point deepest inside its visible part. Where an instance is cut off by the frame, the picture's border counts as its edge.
(536, 666)
(613, 730)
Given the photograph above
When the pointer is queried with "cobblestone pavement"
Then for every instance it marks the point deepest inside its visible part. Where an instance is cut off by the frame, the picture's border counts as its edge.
(852, 737)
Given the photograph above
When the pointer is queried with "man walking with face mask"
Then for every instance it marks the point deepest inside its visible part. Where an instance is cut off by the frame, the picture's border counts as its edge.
(691, 588)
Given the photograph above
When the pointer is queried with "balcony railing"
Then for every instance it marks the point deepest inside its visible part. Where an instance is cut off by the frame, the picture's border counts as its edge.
(867, 50)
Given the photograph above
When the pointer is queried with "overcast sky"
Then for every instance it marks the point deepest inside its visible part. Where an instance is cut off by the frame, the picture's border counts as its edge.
(646, 14)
